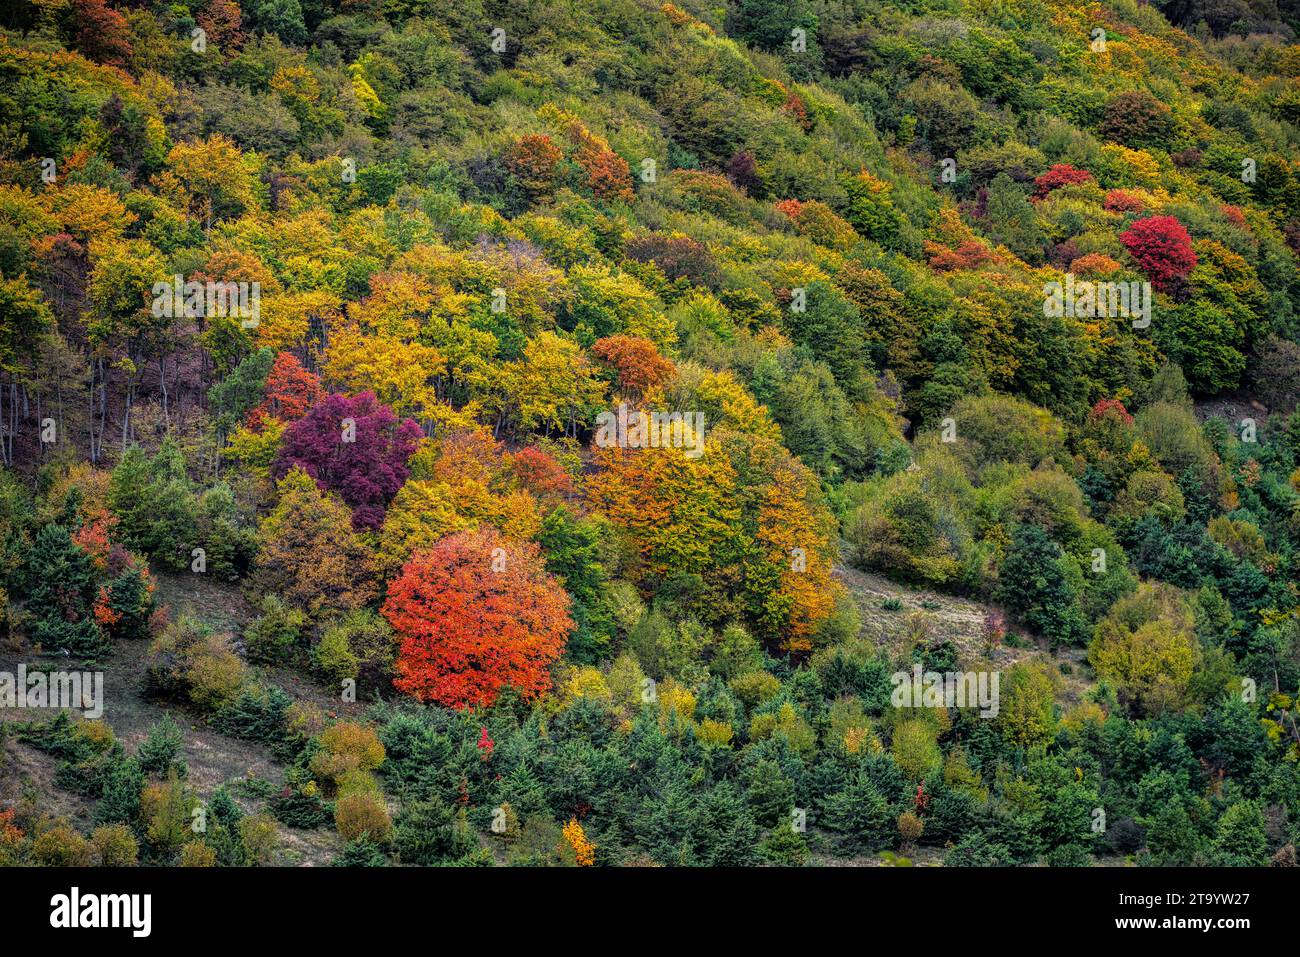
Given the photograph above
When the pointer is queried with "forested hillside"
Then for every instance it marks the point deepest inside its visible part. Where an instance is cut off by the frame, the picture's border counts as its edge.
(547, 433)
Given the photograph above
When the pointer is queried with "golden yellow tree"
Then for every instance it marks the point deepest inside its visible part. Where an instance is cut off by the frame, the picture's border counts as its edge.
(584, 852)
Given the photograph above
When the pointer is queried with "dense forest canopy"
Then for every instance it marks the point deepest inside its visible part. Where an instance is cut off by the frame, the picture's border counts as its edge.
(618, 400)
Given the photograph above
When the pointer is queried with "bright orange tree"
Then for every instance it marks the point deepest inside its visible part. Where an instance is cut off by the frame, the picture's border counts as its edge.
(291, 391)
(637, 362)
(540, 473)
(474, 613)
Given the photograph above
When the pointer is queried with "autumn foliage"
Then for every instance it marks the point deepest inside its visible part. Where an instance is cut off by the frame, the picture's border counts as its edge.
(1120, 201)
(1162, 248)
(584, 852)
(103, 34)
(636, 361)
(308, 551)
(608, 175)
(291, 391)
(969, 255)
(221, 20)
(533, 160)
(633, 352)
(540, 473)
(476, 613)
(1061, 174)
(1094, 264)
(680, 258)
(1105, 407)
(355, 447)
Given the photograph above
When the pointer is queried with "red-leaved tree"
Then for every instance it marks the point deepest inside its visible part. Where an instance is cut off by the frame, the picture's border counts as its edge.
(1162, 248)
(355, 447)
(1061, 174)
(1119, 201)
(540, 473)
(1110, 407)
(475, 613)
(291, 391)
(970, 254)
(102, 34)
(221, 20)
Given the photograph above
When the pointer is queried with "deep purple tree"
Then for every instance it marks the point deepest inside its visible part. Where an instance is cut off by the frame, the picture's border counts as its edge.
(355, 447)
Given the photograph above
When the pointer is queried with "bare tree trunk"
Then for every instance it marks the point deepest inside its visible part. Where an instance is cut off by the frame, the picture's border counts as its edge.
(126, 414)
(90, 425)
(4, 441)
(177, 388)
(58, 402)
(103, 405)
(13, 416)
(162, 384)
